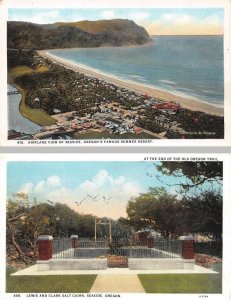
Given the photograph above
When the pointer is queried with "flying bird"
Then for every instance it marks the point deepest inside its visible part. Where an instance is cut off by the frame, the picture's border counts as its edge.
(106, 200)
(93, 198)
(80, 202)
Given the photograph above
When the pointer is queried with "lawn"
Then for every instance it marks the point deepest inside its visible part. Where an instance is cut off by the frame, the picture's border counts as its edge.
(182, 283)
(152, 283)
(49, 284)
(38, 116)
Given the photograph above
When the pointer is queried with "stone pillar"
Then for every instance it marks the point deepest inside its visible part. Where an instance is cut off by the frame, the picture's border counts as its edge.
(45, 247)
(187, 247)
(150, 242)
(74, 241)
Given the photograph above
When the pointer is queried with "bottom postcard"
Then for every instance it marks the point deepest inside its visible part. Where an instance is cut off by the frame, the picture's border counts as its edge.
(116, 226)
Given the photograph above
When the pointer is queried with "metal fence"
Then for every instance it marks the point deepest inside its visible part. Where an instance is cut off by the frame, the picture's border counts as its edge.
(91, 248)
(87, 248)
(156, 249)
(89, 243)
(82, 248)
(62, 248)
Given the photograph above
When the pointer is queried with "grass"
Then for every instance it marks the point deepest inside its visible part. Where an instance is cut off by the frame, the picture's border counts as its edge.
(38, 116)
(23, 70)
(49, 284)
(182, 283)
(152, 283)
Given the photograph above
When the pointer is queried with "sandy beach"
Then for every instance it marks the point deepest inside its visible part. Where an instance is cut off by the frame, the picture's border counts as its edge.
(192, 104)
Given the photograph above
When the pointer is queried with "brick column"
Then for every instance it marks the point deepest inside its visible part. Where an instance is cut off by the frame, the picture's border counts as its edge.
(74, 241)
(45, 247)
(150, 242)
(187, 247)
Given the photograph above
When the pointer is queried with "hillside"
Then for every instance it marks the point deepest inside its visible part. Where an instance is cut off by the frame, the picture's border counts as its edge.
(115, 26)
(25, 35)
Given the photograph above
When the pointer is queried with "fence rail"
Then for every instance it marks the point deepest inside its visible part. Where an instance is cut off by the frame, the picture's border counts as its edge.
(87, 248)
(166, 249)
(92, 244)
(62, 248)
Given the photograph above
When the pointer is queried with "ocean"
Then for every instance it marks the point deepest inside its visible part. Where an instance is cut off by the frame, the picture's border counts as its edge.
(191, 66)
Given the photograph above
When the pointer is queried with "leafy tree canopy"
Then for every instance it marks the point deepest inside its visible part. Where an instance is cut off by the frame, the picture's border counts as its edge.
(173, 217)
(206, 214)
(198, 172)
(158, 209)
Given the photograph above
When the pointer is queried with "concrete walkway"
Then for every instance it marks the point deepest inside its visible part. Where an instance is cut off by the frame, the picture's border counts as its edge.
(32, 271)
(117, 284)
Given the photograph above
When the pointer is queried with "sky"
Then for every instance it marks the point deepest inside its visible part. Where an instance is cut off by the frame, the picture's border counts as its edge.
(70, 182)
(161, 21)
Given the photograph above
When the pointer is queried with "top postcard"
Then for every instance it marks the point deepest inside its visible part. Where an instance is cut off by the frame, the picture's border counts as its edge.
(115, 75)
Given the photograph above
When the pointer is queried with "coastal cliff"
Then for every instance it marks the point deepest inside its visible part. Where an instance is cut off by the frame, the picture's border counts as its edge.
(117, 32)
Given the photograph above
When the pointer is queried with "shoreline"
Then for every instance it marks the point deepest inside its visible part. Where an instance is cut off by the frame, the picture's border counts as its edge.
(189, 103)
(37, 116)
(16, 120)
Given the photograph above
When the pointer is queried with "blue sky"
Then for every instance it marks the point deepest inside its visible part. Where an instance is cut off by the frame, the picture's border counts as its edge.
(72, 174)
(162, 20)
(67, 182)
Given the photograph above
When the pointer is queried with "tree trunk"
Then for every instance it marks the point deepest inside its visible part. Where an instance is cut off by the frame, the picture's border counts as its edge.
(13, 240)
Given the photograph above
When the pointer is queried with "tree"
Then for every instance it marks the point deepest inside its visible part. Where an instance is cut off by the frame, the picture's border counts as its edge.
(206, 214)
(66, 221)
(87, 226)
(197, 173)
(123, 228)
(159, 210)
(205, 207)
(24, 222)
(26, 219)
